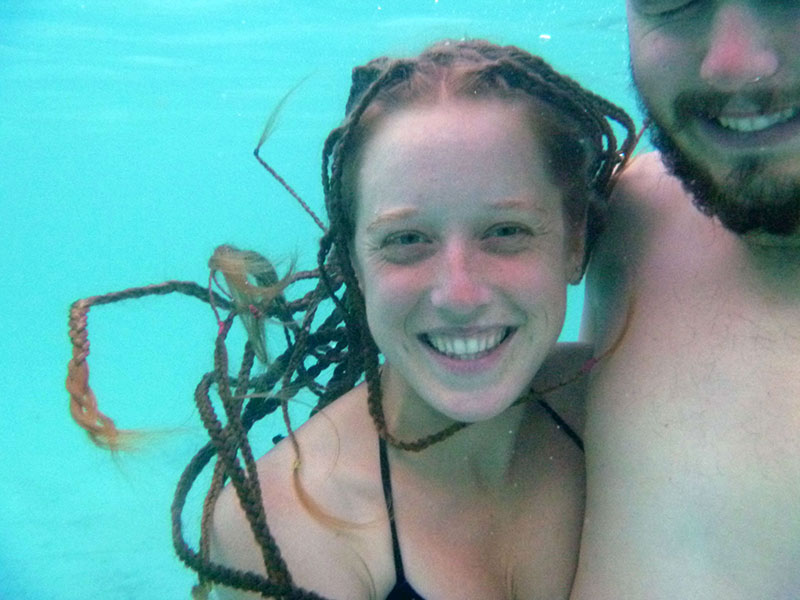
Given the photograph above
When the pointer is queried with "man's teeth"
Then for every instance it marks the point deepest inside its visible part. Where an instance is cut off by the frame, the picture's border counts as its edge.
(466, 347)
(750, 124)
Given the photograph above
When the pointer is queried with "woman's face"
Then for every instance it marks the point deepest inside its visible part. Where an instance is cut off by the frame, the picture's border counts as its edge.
(461, 252)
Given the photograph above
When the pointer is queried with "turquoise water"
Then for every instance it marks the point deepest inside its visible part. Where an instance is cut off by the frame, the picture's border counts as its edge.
(126, 132)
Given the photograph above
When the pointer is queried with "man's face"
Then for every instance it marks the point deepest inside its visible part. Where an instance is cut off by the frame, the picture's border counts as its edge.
(721, 81)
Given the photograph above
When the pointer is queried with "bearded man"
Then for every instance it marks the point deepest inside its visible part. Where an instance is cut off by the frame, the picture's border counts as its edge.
(693, 424)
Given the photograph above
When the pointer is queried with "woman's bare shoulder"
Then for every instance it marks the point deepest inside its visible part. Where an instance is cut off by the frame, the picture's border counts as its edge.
(322, 507)
(563, 366)
(561, 382)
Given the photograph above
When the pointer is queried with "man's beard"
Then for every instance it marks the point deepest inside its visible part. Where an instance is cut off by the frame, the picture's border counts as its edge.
(749, 199)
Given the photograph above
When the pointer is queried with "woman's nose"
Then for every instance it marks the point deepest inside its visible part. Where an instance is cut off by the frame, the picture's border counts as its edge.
(460, 286)
(739, 50)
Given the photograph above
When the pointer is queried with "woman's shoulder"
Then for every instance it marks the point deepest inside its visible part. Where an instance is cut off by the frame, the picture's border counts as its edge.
(323, 506)
(549, 465)
(564, 369)
(561, 383)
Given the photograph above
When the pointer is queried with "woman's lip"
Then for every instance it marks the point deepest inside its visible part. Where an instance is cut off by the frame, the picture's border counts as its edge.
(465, 331)
(465, 344)
(483, 362)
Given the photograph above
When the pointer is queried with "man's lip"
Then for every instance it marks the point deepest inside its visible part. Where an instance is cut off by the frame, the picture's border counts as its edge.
(749, 122)
(774, 134)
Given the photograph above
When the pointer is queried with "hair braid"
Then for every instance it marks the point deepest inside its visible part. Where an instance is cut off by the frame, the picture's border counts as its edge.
(342, 341)
(373, 83)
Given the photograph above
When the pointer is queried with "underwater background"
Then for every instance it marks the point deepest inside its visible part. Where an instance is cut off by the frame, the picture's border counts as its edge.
(126, 137)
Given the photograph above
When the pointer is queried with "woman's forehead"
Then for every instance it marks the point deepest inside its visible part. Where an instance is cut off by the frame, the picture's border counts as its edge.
(454, 157)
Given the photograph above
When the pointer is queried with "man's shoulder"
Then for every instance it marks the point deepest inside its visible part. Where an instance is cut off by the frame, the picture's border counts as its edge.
(645, 210)
(646, 184)
(646, 206)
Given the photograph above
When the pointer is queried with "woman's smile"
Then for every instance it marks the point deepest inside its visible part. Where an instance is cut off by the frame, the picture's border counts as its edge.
(462, 253)
(466, 346)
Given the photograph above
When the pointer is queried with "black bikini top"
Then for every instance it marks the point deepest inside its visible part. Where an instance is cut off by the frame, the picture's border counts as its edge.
(402, 590)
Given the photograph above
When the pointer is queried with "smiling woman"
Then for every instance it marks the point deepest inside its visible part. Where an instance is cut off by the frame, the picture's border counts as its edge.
(462, 253)
(463, 191)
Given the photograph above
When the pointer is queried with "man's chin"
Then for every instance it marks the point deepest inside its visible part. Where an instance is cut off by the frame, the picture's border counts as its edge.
(749, 200)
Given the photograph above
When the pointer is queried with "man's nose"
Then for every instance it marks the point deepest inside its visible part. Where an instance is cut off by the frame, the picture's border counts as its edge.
(740, 51)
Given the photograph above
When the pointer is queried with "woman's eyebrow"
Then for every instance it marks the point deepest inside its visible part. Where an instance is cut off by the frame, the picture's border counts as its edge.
(393, 214)
(513, 202)
(521, 203)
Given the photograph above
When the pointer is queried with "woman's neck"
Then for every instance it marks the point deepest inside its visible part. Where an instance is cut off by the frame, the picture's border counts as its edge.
(480, 454)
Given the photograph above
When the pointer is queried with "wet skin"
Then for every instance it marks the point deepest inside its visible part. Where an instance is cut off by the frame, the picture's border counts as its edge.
(462, 254)
(693, 452)
(463, 258)
(723, 77)
(721, 80)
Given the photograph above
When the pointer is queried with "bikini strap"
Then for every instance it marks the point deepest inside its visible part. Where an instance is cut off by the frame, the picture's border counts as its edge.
(386, 479)
(571, 433)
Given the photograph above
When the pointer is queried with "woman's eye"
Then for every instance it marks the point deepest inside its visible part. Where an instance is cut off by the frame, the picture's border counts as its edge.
(507, 238)
(506, 230)
(403, 238)
(405, 247)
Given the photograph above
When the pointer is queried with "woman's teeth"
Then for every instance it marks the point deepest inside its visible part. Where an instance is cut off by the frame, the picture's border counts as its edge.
(758, 123)
(466, 347)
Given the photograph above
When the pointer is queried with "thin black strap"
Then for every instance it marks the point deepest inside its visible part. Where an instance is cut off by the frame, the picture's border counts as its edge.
(562, 423)
(386, 478)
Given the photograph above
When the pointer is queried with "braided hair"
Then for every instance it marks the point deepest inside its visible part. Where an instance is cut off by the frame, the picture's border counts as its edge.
(327, 354)
(575, 129)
